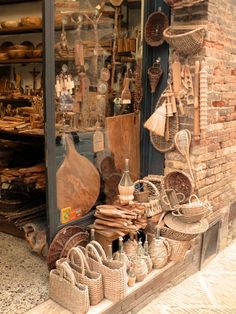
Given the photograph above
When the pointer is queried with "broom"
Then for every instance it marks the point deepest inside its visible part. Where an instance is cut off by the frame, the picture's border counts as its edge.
(156, 123)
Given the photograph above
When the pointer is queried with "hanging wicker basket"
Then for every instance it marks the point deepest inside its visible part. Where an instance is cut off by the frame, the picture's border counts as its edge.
(154, 74)
(154, 27)
(185, 39)
(178, 4)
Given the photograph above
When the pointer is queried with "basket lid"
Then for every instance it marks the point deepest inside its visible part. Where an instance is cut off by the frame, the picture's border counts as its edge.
(190, 228)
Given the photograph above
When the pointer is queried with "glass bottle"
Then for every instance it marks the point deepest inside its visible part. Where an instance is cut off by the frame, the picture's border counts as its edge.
(92, 235)
(132, 276)
(109, 253)
(126, 186)
(146, 254)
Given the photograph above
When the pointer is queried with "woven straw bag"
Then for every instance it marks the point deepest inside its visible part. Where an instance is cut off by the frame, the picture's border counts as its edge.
(113, 272)
(178, 249)
(85, 276)
(64, 289)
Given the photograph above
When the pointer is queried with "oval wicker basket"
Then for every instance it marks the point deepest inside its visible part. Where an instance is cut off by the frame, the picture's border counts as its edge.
(185, 39)
(178, 4)
(154, 27)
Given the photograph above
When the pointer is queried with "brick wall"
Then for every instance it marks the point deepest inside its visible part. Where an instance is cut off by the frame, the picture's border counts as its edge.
(214, 158)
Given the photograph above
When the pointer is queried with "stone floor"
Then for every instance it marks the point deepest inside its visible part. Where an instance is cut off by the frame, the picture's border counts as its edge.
(23, 276)
(24, 285)
(213, 290)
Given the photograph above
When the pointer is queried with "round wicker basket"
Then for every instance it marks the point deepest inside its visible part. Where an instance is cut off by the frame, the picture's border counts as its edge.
(185, 39)
(154, 27)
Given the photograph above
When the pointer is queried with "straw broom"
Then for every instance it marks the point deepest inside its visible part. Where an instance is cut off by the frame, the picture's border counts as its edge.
(157, 122)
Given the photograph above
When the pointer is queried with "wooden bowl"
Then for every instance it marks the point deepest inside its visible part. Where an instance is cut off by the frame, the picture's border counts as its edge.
(9, 24)
(17, 54)
(31, 21)
(37, 53)
(3, 56)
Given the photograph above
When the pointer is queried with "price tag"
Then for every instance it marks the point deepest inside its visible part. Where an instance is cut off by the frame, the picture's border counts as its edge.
(68, 215)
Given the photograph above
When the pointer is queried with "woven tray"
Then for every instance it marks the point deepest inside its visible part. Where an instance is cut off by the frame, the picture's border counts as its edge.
(159, 142)
(185, 39)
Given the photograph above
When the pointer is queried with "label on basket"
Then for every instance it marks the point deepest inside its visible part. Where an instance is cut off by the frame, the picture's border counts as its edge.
(68, 214)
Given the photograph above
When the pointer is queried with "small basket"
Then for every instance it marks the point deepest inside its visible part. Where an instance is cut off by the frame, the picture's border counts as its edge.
(178, 4)
(154, 74)
(185, 39)
(154, 27)
(191, 219)
(180, 182)
(152, 206)
(178, 249)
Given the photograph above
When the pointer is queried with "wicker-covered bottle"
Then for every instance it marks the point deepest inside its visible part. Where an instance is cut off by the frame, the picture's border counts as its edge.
(140, 265)
(147, 256)
(120, 254)
(131, 247)
(159, 251)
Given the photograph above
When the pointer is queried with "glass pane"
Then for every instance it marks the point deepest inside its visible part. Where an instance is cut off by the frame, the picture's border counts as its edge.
(98, 54)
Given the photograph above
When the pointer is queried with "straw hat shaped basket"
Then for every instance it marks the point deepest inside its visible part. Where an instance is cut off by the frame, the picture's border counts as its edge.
(185, 39)
(113, 272)
(154, 27)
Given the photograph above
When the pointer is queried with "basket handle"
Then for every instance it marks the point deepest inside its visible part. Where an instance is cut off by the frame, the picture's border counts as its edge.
(99, 249)
(194, 196)
(66, 272)
(181, 197)
(166, 200)
(150, 183)
(74, 255)
(177, 213)
(167, 245)
(96, 256)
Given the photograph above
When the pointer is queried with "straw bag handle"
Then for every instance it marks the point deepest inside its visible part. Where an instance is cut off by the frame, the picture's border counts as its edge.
(150, 183)
(99, 249)
(75, 253)
(66, 272)
(167, 245)
(194, 196)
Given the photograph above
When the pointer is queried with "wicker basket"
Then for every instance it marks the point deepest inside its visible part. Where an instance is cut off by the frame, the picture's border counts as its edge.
(180, 182)
(152, 206)
(178, 249)
(185, 39)
(169, 233)
(178, 4)
(113, 272)
(154, 74)
(154, 27)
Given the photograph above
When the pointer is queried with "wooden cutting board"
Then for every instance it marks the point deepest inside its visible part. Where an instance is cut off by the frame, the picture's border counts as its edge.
(123, 134)
(78, 181)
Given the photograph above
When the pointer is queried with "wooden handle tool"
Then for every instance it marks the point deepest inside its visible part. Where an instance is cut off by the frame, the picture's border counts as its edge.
(196, 102)
(176, 73)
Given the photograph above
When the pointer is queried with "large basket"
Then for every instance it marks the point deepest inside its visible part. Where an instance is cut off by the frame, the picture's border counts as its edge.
(169, 233)
(178, 249)
(154, 27)
(185, 39)
(178, 4)
(180, 182)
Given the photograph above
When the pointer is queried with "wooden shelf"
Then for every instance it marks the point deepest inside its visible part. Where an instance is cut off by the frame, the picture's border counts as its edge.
(28, 30)
(38, 139)
(19, 101)
(30, 60)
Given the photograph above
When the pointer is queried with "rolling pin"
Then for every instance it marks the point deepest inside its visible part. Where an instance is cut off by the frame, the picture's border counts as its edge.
(196, 102)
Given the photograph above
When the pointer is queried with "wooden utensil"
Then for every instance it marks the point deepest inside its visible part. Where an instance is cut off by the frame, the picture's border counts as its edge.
(196, 101)
(182, 143)
(176, 73)
(78, 181)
